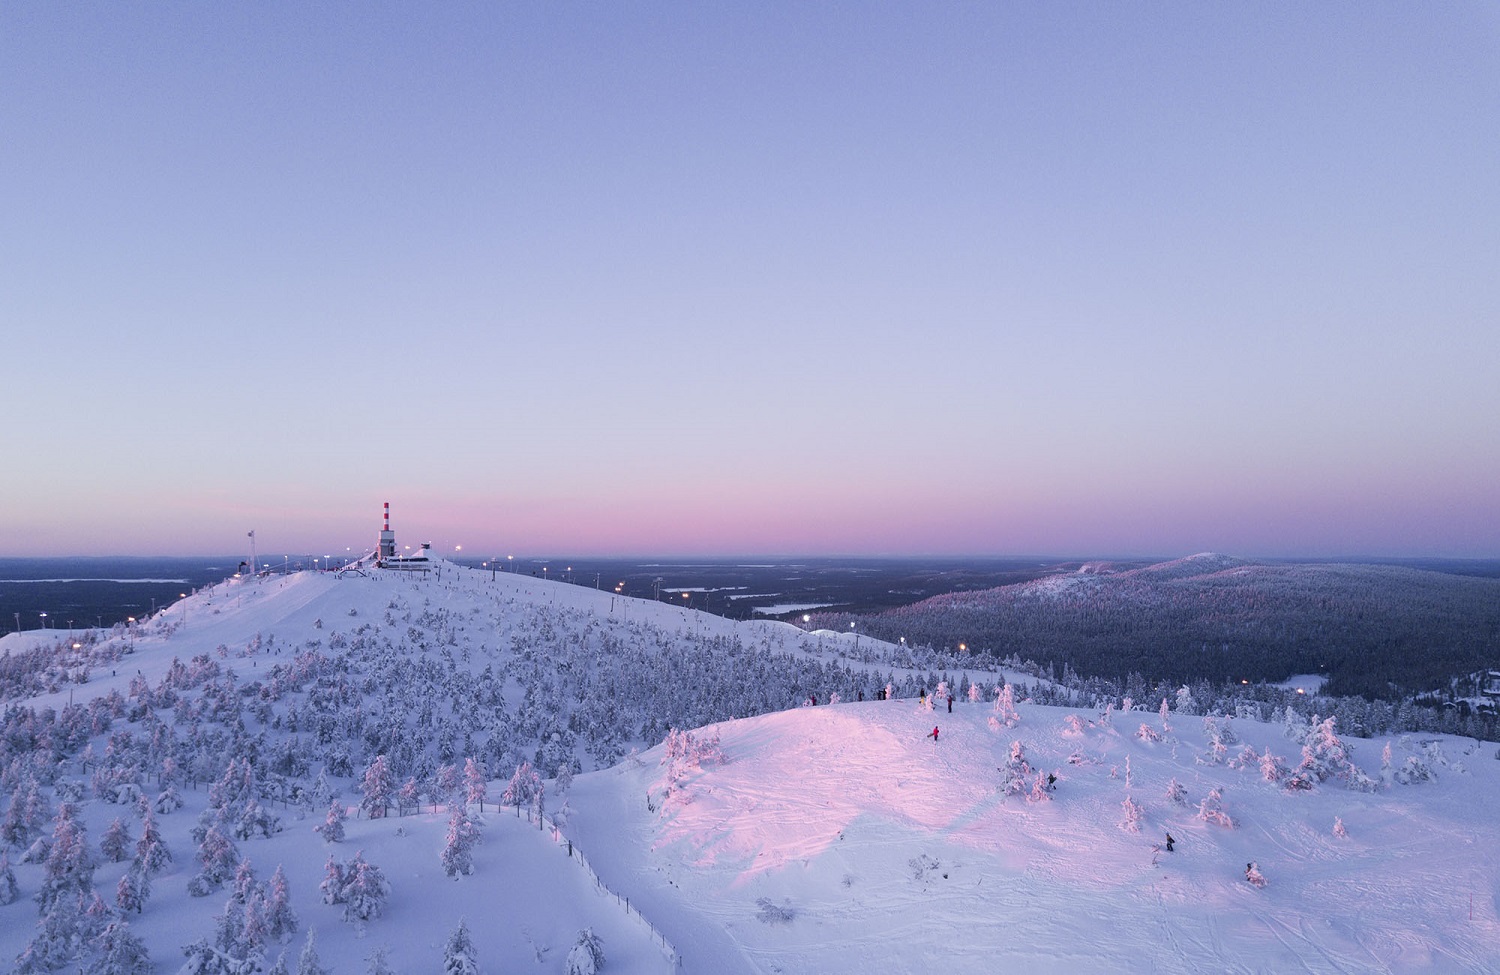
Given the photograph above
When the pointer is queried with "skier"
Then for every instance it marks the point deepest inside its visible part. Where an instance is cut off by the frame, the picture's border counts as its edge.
(933, 734)
(950, 703)
(1169, 842)
(1052, 782)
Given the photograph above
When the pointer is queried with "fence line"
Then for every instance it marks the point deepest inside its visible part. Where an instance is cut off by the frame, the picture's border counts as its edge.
(574, 853)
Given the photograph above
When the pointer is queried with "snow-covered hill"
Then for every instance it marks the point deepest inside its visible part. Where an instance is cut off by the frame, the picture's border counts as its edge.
(805, 839)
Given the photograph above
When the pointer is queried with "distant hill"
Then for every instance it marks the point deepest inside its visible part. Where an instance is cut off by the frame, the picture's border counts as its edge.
(1381, 631)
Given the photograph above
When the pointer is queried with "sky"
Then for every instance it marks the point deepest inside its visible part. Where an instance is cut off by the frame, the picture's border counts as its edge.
(842, 279)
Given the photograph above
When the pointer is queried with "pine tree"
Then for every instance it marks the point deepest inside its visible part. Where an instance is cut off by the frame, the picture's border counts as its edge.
(459, 956)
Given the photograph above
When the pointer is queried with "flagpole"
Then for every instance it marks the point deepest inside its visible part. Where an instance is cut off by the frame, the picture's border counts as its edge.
(252, 554)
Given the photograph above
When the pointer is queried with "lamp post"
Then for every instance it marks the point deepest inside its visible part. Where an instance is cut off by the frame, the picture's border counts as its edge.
(43, 624)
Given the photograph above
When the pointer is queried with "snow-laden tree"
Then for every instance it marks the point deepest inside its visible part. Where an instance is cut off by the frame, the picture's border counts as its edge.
(459, 955)
(9, 891)
(1253, 875)
(133, 889)
(1164, 714)
(151, 852)
(332, 828)
(365, 890)
(458, 851)
(1176, 792)
(524, 784)
(1325, 756)
(1131, 820)
(308, 962)
(1016, 773)
(476, 786)
(69, 868)
(1211, 809)
(1006, 715)
(119, 952)
(378, 788)
(1148, 734)
(281, 920)
(256, 820)
(115, 842)
(218, 858)
(587, 955)
(332, 886)
(379, 961)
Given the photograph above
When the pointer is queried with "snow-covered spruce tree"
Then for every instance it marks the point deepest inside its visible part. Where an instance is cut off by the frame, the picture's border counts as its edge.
(280, 967)
(458, 852)
(476, 788)
(308, 962)
(521, 790)
(1006, 715)
(120, 952)
(332, 886)
(255, 820)
(1211, 809)
(1148, 734)
(58, 940)
(151, 852)
(1131, 821)
(1325, 756)
(69, 868)
(1253, 876)
(1164, 714)
(379, 961)
(133, 889)
(409, 796)
(332, 829)
(167, 801)
(1175, 791)
(218, 859)
(587, 955)
(365, 890)
(459, 955)
(115, 842)
(281, 920)
(9, 891)
(378, 788)
(1016, 774)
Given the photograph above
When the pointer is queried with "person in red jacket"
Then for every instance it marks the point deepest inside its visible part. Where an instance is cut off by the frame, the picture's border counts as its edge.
(933, 734)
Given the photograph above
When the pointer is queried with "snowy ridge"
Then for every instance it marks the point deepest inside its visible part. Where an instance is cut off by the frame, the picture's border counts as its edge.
(831, 836)
(800, 840)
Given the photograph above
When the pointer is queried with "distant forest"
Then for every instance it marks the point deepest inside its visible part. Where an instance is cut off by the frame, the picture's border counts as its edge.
(1377, 631)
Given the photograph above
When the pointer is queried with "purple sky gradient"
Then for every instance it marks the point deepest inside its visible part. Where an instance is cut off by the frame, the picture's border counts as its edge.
(738, 279)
